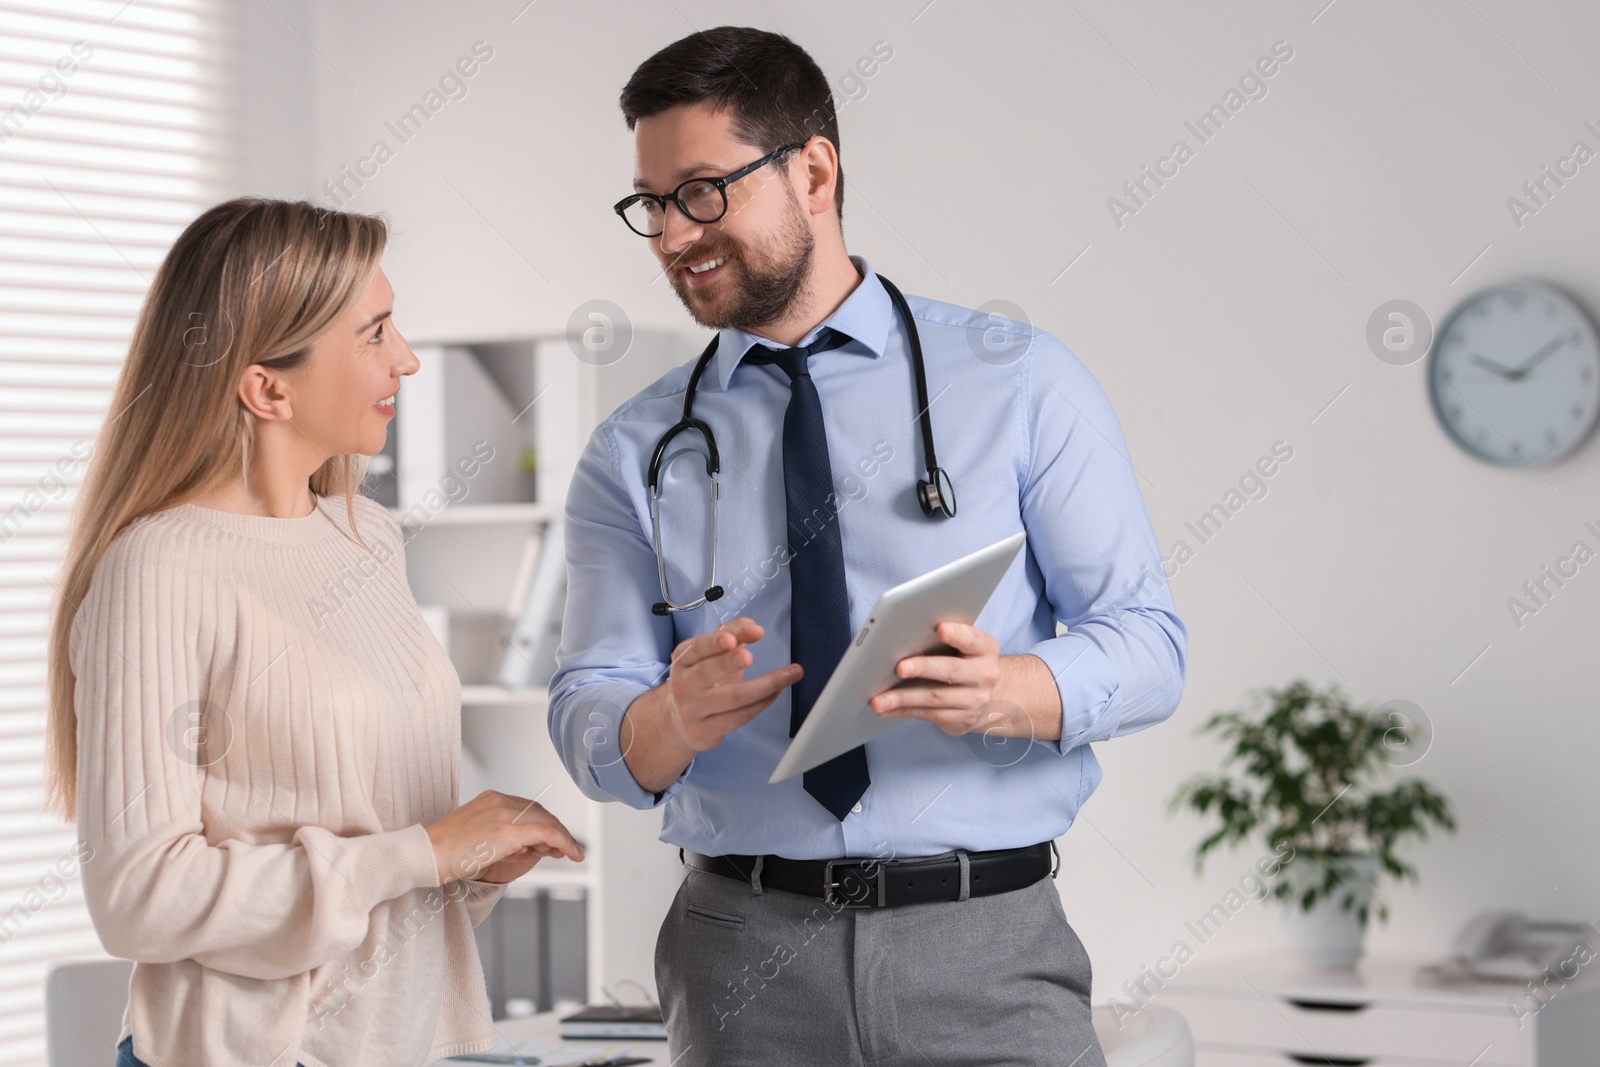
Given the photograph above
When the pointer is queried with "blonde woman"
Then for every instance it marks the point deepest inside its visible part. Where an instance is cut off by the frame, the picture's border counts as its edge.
(249, 719)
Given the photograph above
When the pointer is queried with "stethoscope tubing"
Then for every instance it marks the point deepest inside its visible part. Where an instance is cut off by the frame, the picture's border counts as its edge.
(936, 494)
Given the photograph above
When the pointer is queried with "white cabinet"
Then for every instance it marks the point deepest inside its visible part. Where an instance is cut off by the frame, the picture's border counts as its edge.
(479, 458)
(1264, 1011)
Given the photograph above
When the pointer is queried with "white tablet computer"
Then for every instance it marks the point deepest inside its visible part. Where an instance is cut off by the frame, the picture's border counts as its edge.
(900, 624)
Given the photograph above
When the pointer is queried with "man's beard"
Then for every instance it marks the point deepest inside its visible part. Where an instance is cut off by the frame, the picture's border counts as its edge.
(762, 293)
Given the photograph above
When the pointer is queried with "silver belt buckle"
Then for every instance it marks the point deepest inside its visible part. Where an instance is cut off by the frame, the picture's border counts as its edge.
(829, 885)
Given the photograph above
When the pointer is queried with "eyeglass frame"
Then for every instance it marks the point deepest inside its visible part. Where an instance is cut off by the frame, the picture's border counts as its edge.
(721, 184)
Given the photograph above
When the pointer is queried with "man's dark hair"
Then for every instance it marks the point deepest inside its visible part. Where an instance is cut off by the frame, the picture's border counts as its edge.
(775, 90)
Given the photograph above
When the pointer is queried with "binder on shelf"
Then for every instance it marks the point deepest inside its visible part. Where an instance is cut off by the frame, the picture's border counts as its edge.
(523, 578)
(530, 658)
(534, 948)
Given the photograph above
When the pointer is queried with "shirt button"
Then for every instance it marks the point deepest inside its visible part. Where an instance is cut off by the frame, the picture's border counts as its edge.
(857, 808)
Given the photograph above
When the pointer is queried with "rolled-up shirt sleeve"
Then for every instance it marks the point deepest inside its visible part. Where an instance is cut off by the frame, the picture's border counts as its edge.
(1120, 665)
(613, 647)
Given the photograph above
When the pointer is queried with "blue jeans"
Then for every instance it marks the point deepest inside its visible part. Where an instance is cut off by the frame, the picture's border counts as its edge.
(126, 1058)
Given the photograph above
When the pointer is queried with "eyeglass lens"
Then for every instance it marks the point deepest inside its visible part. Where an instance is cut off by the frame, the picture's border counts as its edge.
(702, 201)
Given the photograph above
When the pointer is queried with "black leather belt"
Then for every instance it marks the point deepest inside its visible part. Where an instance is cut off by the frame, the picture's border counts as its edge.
(873, 883)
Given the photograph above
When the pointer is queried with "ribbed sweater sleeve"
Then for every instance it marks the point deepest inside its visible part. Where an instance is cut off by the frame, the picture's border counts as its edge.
(157, 889)
(266, 727)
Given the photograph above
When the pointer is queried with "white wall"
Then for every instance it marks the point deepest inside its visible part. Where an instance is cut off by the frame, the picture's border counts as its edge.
(1221, 318)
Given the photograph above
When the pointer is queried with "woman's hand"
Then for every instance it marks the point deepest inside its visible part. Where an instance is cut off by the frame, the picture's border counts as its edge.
(514, 866)
(495, 837)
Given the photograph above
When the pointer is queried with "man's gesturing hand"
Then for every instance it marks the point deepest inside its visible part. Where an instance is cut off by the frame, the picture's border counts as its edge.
(705, 698)
(708, 696)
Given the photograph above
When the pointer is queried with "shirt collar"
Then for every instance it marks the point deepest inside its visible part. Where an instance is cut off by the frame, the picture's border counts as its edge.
(864, 316)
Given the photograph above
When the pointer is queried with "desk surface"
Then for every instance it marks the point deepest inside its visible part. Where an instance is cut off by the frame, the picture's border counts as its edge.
(545, 1029)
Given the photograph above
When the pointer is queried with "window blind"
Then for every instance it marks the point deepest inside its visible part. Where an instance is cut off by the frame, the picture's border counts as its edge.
(108, 132)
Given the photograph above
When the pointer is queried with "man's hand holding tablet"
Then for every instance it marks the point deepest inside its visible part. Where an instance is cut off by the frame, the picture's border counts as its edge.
(921, 629)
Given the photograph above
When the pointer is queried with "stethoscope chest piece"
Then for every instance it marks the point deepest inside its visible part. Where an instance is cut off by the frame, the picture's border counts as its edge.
(938, 496)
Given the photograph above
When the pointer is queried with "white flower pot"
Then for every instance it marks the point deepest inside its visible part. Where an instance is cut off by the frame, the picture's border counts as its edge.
(1329, 936)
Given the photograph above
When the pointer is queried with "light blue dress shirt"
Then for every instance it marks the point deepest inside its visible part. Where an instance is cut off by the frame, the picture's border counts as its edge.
(1030, 443)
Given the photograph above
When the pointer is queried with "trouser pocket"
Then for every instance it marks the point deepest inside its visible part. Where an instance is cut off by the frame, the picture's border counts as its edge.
(714, 918)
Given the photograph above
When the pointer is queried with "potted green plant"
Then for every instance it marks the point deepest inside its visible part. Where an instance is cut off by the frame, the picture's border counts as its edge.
(1306, 768)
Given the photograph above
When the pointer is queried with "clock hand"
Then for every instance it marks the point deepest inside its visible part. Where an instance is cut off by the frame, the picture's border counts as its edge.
(1522, 369)
(1503, 371)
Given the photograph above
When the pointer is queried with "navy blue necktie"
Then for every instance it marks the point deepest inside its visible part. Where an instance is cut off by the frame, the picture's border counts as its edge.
(819, 614)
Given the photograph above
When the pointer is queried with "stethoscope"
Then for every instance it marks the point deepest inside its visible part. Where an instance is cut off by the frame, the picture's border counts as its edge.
(935, 493)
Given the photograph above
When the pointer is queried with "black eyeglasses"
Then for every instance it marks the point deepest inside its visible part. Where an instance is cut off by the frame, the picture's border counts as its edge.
(701, 199)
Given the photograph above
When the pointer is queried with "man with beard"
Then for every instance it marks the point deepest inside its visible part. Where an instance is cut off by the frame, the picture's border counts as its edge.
(896, 904)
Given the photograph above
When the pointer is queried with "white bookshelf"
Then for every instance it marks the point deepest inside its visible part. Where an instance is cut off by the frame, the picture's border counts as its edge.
(535, 402)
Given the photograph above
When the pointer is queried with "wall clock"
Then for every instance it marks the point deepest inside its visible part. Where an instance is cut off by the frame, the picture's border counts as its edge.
(1515, 375)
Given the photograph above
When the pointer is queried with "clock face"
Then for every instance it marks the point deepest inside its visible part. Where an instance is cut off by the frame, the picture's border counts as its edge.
(1515, 375)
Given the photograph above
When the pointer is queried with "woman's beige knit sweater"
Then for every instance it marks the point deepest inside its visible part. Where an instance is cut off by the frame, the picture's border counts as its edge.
(265, 725)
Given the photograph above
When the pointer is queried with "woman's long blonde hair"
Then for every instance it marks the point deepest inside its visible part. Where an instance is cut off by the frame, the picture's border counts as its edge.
(250, 281)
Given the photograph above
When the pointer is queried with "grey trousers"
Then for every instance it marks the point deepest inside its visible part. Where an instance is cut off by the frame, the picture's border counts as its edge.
(752, 978)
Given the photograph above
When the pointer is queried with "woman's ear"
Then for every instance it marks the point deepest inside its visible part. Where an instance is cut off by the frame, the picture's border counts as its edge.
(263, 394)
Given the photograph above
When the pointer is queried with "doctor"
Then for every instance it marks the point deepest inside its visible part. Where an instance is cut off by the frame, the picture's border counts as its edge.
(896, 905)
